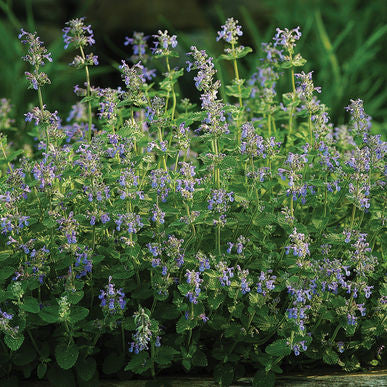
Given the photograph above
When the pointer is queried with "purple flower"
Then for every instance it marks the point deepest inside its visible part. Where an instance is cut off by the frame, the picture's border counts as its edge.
(131, 220)
(163, 43)
(105, 218)
(287, 39)
(78, 34)
(112, 300)
(230, 31)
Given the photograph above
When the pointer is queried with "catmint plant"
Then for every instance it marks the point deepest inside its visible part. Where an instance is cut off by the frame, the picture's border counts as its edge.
(78, 35)
(183, 236)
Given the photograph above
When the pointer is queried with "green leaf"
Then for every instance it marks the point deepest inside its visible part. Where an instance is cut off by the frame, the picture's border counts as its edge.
(199, 359)
(330, 356)
(78, 313)
(13, 343)
(183, 324)
(75, 297)
(86, 368)
(241, 91)
(112, 363)
(165, 354)
(6, 272)
(186, 364)
(30, 304)
(50, 314)
(66, 355)
(224, 374)
(4, 255)
(41, 370)
(214, 302)
(139, 363)
(278, 348)
(240, 54)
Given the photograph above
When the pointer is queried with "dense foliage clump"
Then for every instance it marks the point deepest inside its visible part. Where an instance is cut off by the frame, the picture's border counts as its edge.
(147, 232)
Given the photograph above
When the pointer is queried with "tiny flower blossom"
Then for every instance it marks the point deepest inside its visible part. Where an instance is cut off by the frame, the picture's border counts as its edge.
(163, 42)
(112, 300)
(78, 34)
(230, 31)
(143, 334)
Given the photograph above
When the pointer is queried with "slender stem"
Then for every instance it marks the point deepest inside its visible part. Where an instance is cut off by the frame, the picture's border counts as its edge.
(173, 92)
(153, 361)
(93, 238)
(161, 139)
(88, 94)
(269, 124)
(325, 197)
(218, 236)
(239, 92)
(153, 305)
(34, 343)
(5, 156)
(177, 160)
(189, 219)
(190, 330)
(310, 129)
(123, 339)
(335, 333)
(274, 126)
(216, 168)
(42, 108)
(353, 216)
(40, 98)
(292, 109)
(237, 77)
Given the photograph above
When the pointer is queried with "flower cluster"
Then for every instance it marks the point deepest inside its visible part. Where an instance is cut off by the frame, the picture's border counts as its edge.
(193, 278)
(5, 325)
(230, 31)
(266, 282)
(37, 56)
(360, 120)
(139, 43)
(286, 39)
(112, 300)
(130, 220)
(163, 42)
(219, 203)
(78, 34)
(299, 246)
(83, 263)
(143, 334)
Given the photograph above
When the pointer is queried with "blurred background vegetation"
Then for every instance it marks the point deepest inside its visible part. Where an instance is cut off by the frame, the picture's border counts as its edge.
(343, 41)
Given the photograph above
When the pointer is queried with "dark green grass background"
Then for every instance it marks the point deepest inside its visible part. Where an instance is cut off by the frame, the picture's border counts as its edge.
(344, 42)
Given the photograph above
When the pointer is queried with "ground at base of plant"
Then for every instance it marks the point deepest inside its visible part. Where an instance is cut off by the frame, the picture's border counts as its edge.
(320, 378)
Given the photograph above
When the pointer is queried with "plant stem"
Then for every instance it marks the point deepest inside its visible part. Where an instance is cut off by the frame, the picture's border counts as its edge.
(269, 124)
(218, 237)
(310, 129)
(88, 95)
(153, 361)
(292, 108)
(237, 77)
(123, 339)
(353, 216)
(5, 156)
(173, 92)
(42, 108)
(325, 197)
